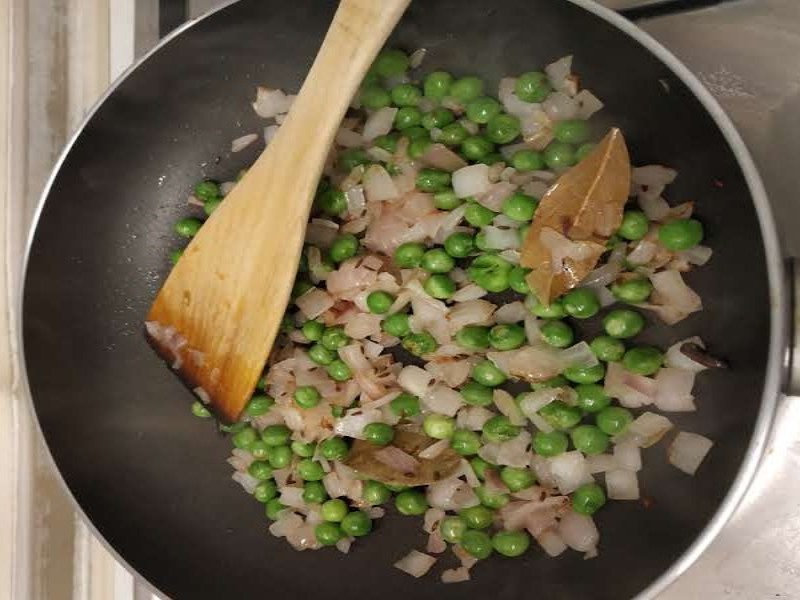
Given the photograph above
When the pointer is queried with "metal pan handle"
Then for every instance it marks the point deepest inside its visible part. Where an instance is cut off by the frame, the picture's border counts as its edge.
(792, 382)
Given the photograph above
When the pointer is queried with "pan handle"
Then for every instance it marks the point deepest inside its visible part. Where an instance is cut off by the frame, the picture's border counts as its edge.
(792, 383)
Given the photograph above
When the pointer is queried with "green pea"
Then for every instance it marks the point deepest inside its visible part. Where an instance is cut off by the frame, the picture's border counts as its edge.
(276, 435)
(585, 374)
(408, 116)
(479, 466)
(175, 256)
(338, 370)
(321, 355)
(511, 543)
(437, 260)
(374, 492)
(507, 336)
(592, 397)
(306, 396)
(328, 534)
(482, 109)
(480, 241)
(433, 180)
(476, 147)
(560, 415)
(476, 394)
(486, 373)
(473, 337)
(477, 517)
(356, 523)
(375, 97)
(527, 160)
(334, 338)
(287, 324)
(409, 255)
(260, 470)
(437, 84)
(352, 158)
(607, 348)
(416, 133)
(478, 215)
(533, 87)
(517, 479)
(490, 272)
(188, 227)
(453, 134)
(633, 290)
(310, 470)
(380, 434)
(440, 286)
(680, 234)
(391, 63)
(332, 202)
(300, 287)
(439, 427)
(314, 492)
(303, 449)
(406, 94)
(447, 200)
(274, 508)
(207, 190)
(343, 247)
(581, 303)
(405, 405)
(503, 128)
(437, 118)
(588, 499)
(334, 448)
(589, 439)
(644, 360)
(467, 89)
(584, 150)
(517, 280)
(420, 344)
(520, 207)
(265, 491)
(465, 442)
(550, 444)
(313, 330)
(379, 302)
(557, 334)
(452, 529)
(244, 438)
(558, 156)
(418, 147)
(396, 325)
(199, 410)
(459, 244)
(634, 226)
(500, 429)
(623, 323)
(210, 205)
(334, 510)
(491, 499)
(411, 503)
(572, 131)
(279, 457)
(387, 142)
(555, 310)
(613, 420)
(493, 158)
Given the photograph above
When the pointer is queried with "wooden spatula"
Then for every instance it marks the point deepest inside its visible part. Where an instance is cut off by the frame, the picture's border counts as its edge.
(218, 313)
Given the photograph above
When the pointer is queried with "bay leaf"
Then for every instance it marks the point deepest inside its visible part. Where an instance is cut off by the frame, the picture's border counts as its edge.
(584, 206)
(363, 461)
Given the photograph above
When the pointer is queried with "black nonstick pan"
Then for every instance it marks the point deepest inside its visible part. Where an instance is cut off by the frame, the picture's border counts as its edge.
(153, 480)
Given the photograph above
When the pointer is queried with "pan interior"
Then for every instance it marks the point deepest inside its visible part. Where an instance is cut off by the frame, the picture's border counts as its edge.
(153, 479)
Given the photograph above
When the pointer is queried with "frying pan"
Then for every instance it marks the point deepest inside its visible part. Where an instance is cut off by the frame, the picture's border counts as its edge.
(153, 480)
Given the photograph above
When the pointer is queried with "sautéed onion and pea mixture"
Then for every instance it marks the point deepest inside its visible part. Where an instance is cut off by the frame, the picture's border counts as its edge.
(429, 360)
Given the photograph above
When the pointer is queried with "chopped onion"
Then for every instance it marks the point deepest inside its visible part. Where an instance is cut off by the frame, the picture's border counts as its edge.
(356, 201)
(632, 390)
(416, 58)
(378, 185)
(560, 107)
(496, 195)
(647, 429)
(600, 463)
(270, 103)
(397, 459)
(335, 487)
(434, 449)
(314, 302)
(270, 131)
(473, 417)
(451, 494)
(588, 104)
(622, 485)
(570, 471)
(243, 142)
(643, 252)
(321, 233)
(347, 138)
(551, 543)
(654, 207)
(354, 421)
(379, 123)
(415, 563)
(443, 400)
(559, 74)
(470, 291)
(532, 402)
(501, 239)
(247, 481)
(452, 372)
(513, 312)
(362, 325)
(414, 380)
(471, 181)
(578, 532)
(627, 456)
(431, 520)
(505, 404)
(699, 255)
(441, 157)
(675, 357)
(578, 356)
(674, 392)
(472, 312)
(688, 450)
(456, 575)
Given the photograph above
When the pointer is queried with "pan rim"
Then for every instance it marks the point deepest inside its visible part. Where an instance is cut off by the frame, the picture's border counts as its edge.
(774, 257)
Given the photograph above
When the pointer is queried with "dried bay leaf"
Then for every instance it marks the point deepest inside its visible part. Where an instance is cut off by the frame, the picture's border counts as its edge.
(575, 219)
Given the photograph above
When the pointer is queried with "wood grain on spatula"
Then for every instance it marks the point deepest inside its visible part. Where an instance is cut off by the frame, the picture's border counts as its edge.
(218, 313)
